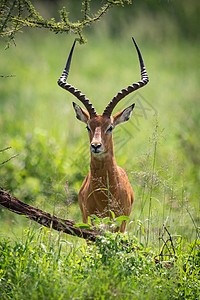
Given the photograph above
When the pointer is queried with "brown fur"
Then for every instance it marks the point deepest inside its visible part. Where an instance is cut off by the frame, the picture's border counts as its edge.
(93, 196)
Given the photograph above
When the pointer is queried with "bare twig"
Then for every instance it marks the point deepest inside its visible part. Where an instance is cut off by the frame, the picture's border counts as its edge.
(170, 239)
(9, 159)
(5, 149)
(167, 245)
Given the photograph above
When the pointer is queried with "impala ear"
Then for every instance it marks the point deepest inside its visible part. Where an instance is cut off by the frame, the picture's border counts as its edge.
(81, 113)
(123, 116)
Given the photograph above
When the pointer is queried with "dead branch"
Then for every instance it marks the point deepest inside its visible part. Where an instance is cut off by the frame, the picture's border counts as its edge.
(168, 246)
(15, 205)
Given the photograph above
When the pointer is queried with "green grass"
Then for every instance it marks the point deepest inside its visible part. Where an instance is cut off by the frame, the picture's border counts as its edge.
(43, 265)
(160, 153)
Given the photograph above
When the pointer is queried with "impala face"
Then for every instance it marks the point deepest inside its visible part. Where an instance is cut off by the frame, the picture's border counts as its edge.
(100, 128)
(100, 134)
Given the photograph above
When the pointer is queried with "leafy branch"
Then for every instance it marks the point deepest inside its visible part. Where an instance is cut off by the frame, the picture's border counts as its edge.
(17, 14)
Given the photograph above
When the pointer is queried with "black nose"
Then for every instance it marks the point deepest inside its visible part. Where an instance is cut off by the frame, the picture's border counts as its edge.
(95, 148)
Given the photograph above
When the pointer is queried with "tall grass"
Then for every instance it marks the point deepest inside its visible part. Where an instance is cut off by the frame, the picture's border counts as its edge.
(45, 266)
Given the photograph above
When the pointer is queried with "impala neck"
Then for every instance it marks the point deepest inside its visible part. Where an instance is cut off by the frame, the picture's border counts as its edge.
(105, 164)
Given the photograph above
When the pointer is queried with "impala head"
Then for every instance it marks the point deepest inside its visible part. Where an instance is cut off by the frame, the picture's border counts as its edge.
(100, 127)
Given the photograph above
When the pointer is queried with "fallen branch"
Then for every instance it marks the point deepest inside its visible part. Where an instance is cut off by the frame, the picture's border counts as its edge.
(15, 205)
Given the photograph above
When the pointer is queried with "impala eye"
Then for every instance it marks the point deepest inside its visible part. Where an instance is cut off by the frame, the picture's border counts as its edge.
(110, 128)
(88, 128)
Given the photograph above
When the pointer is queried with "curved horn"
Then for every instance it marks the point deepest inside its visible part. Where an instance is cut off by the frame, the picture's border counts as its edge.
(131, 88)
(70, 88)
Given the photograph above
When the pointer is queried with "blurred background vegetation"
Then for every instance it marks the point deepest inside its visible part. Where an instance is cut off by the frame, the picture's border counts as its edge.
(38, 122)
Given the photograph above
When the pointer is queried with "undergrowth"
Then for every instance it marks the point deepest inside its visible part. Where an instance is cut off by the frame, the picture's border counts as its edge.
(44, 265)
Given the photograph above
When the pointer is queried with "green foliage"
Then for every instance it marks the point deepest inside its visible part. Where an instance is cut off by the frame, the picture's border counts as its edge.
(32, 175)
(108, 223)
(17, 14)
(116, 267)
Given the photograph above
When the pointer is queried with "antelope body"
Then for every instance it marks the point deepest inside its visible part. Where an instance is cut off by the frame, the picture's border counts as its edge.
(106, 187)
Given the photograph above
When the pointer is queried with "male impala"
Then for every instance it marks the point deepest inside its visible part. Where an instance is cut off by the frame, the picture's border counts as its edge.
(106, 187)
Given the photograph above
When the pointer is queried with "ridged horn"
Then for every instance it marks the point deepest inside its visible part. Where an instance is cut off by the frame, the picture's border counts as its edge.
(70, 88)
(131, 88)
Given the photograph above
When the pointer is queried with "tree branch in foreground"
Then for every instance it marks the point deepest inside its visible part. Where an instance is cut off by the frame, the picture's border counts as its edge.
(15, 205)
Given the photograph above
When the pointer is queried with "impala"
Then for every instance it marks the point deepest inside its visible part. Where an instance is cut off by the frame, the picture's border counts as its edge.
(106, 188)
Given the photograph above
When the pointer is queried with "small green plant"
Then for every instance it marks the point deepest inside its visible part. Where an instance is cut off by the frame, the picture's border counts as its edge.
(103, 224)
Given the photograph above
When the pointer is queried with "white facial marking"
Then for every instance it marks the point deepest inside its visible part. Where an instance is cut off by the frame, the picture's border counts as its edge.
(96, 145)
